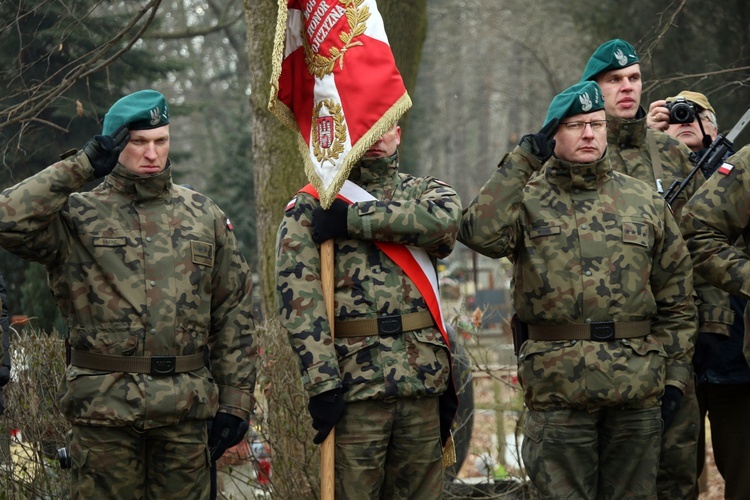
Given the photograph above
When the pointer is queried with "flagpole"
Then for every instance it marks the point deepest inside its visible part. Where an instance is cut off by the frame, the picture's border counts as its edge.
(327, 448)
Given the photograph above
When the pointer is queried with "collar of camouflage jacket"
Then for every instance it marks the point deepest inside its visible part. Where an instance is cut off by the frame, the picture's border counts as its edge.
(626, 132)
(375, 170)
(583, 176)
(141, 187)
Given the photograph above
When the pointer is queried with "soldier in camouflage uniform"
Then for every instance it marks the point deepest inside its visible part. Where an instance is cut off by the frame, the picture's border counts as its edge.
(602, 286)
(378, 386)
(715, 217)
(657, 159)
(156, 297)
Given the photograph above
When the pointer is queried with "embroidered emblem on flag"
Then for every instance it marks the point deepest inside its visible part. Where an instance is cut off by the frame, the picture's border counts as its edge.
(335, 82)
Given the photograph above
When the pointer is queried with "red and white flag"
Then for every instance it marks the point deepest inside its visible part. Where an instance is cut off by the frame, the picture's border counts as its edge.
(335, 81)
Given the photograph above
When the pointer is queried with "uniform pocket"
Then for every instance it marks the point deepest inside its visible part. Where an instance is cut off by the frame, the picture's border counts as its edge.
(92, 397)
(116, 338)
(429, 358)
(358, 358)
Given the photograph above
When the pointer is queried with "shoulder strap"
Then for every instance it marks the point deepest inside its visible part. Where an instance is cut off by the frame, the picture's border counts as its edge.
(655, 162)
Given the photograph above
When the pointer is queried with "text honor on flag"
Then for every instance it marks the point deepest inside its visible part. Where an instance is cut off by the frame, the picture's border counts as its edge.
(324, 31)
(329, 132)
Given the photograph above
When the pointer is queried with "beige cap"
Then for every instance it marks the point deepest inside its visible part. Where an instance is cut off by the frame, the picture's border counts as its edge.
(696, 98)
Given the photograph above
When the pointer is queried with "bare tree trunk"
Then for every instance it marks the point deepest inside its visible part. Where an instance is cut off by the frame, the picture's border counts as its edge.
(278, 173)
(406, 27)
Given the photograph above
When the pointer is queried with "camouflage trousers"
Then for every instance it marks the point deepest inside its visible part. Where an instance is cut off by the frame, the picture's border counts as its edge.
(126, 463)
(611, 453)
(678, 464)
(389, 449)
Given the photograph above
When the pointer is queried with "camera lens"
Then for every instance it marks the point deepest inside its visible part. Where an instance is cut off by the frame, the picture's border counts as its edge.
(681, 111)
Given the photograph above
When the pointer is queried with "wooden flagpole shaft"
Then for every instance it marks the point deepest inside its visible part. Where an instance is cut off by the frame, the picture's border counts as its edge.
(327, 448)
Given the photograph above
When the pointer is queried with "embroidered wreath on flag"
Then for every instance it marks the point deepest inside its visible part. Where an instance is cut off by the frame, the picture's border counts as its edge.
(333, 152)
(319, 65)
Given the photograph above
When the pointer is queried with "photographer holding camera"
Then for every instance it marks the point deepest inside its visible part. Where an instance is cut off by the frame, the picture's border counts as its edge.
(688, 117)
(723, 374)
(657, 159)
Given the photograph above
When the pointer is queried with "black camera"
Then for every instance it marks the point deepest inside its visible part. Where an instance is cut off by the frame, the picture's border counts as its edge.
(681, 111)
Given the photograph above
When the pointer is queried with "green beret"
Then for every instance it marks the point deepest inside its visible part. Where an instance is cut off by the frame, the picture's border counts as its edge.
(583, 97)
(140, 110)
(614, 54)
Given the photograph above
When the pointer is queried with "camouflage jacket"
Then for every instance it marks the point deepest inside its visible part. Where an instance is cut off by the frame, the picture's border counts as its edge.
(630, 153)
(588, 245)
(138, 267)
(417, 211)
(715, 217)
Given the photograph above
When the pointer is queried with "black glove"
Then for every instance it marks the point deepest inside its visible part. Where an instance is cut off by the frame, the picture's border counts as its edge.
(670, 403)
(448, 406)
(326, 410)
(541, 144)
(331, 223)
(104, 150)
(4, 375)
(706, 349)
(227, 430)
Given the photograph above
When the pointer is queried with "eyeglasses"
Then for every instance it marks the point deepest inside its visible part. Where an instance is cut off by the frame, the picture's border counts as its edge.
(596, 125)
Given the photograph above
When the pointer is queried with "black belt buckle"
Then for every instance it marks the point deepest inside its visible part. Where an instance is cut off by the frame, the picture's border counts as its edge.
(604, 330)
(163, 365)
(390, 326)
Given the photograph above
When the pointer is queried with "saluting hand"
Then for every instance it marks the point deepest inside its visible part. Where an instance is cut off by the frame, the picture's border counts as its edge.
(103, 151)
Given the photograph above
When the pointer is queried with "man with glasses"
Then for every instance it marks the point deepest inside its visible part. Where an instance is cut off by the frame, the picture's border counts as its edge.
(722, 372)
(602, 289)
(657, 159)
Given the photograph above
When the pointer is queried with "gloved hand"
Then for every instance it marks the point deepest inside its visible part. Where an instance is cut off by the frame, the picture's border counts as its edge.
(104, 150)
(227, 430)
(541, 144)
(4, 375)
(670, 403)
(331, 223)
(706, 349)
(326, 409)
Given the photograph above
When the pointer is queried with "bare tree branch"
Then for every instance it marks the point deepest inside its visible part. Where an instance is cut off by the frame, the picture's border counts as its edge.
(193, 31)
(43, 94)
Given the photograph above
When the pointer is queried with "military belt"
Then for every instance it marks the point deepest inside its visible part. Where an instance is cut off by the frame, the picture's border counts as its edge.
(384, 326)
(153, 365)
(605, 330)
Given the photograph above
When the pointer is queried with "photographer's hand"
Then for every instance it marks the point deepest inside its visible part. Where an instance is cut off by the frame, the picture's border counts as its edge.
(658, 116)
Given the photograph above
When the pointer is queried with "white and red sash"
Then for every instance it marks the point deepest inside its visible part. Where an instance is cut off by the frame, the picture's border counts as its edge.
(413, 260)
